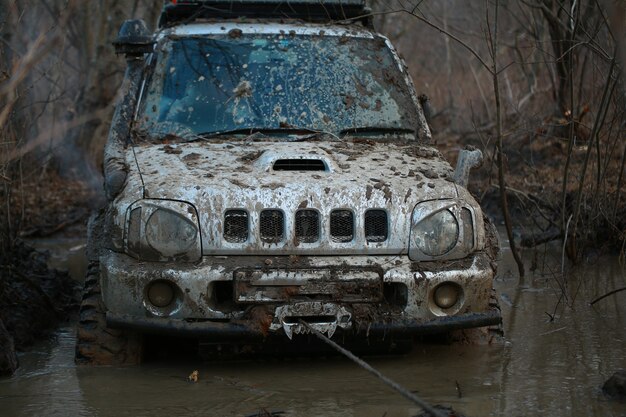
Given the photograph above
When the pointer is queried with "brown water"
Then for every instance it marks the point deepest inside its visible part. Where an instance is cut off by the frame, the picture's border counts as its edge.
(547, 367)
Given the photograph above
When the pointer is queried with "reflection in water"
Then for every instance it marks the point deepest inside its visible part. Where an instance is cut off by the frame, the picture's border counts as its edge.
(46, 383)
(65, 253)
(562, 349)
(547, 368)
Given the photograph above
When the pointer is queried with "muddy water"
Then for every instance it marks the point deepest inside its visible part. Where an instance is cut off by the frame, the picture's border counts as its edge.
(559, 351)
(65, 253)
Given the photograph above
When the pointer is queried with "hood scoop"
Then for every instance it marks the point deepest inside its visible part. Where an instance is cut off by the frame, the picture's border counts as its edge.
(299, 164)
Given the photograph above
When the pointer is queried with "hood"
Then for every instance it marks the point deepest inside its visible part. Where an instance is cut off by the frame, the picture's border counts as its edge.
(218, 178)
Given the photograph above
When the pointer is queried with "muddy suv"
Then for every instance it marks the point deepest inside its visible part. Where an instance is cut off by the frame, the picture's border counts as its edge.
(271, 175)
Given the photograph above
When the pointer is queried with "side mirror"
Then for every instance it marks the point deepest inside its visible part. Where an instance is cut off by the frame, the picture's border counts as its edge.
(134, 39)
(469, 158)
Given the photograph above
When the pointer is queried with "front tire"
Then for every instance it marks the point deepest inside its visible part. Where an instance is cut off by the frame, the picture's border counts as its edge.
(97, 344)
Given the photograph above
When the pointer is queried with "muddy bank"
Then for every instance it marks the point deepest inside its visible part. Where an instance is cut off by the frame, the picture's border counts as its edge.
(49, 204)
(35, 298)
(33, 301)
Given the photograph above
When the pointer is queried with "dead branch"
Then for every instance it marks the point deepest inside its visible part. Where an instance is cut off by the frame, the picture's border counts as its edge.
(450, 35)
(607, 295)
(44, 137)
(604, 103)
(532, 240)
(493, 41)
(397, 387)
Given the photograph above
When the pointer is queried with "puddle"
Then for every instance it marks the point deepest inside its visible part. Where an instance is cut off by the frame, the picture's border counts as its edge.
(65, 253)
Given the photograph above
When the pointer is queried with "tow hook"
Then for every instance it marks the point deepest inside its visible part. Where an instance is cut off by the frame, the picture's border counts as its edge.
(323, 317)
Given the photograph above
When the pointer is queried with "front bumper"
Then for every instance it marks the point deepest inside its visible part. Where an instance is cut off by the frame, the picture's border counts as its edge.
(240, 333)
(246, 298)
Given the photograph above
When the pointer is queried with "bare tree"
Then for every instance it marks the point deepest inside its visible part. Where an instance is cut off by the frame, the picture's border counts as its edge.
(555, 61)
(58, 79)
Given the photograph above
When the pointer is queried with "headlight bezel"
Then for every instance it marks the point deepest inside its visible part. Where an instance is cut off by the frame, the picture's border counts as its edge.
(468, 238)
(138, 218)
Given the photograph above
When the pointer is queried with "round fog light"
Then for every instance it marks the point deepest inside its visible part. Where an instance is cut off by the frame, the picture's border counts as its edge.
(161, 294)
(447, 295)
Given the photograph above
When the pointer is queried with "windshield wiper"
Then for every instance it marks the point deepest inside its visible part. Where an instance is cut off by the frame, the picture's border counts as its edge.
(299, 133)
(219, 133)
(375, 129)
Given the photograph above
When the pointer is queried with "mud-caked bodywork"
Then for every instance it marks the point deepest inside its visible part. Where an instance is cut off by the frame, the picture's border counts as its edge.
(276, 174)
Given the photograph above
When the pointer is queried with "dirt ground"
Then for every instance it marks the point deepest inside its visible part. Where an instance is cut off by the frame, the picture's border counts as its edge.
(46, 204)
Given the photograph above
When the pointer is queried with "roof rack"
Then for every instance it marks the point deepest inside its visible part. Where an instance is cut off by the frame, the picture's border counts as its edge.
(185, 11)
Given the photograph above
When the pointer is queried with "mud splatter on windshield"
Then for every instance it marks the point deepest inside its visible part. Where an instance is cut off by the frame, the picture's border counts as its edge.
(221, 83)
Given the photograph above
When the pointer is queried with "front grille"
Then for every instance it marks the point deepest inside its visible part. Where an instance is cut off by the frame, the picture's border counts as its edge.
(236, 226)
(376, 226)
(272, 226)
(341, 226)
(307, 226)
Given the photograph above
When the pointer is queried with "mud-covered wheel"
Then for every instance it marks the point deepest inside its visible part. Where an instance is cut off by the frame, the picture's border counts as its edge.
(96, 344)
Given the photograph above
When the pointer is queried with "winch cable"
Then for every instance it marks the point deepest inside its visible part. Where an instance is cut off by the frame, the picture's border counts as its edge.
(400, 389)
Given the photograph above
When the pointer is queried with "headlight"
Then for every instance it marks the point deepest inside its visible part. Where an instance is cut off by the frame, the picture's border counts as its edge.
(437, 234)
(170, 233)
(443, 229)
(162, 230)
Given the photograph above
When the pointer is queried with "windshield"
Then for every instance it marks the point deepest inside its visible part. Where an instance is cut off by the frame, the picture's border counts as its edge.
(220, 83)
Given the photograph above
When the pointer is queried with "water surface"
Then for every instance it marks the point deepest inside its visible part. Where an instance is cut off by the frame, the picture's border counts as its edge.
(558, 352)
